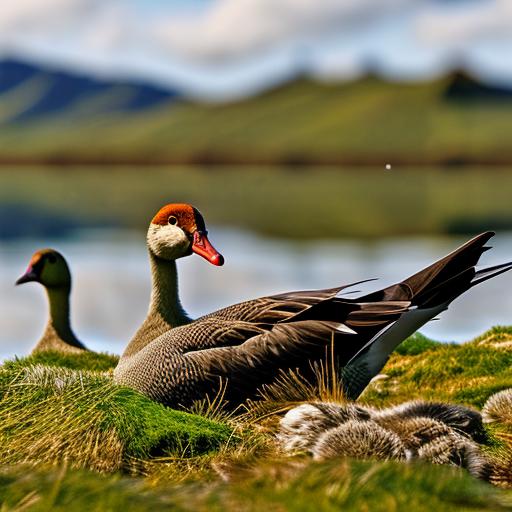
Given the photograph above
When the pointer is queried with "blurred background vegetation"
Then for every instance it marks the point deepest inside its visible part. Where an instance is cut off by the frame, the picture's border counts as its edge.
(305, 203)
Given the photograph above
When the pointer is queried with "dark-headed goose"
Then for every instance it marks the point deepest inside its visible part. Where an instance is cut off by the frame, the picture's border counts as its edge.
(49, 268)
(242, 347)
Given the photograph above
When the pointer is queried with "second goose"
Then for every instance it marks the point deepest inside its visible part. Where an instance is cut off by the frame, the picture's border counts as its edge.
(49, 268)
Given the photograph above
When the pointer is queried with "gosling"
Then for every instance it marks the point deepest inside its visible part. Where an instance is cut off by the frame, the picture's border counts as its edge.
(359, 440)
(301, 426)
(498, 408)
(463, 420)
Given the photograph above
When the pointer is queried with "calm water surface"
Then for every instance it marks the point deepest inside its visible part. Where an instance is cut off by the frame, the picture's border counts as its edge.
(112, 283)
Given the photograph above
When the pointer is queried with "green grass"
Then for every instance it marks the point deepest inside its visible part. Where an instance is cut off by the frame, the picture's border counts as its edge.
(94, 361)
(297, 486)
(313, 203)
(59, 427)
(417, 344)
(467, 373)
(51, 414)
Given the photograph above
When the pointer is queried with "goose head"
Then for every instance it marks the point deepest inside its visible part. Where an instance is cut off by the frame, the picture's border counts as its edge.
(178, 230)
(49, 268)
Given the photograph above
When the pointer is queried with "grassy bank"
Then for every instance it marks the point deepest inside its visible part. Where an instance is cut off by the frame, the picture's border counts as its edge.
(312, 203)
(368, 121)
(466, 373)
(59, 427)
(52, 414)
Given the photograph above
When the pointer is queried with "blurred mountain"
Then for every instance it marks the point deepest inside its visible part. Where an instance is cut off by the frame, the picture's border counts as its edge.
(62, 118)
(462, 86)
(35, 91)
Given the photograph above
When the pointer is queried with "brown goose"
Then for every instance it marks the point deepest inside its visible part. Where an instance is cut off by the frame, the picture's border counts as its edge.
(244, 346)
(49, 268)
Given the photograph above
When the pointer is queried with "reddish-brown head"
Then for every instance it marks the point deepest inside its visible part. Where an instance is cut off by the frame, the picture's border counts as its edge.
(177, 230)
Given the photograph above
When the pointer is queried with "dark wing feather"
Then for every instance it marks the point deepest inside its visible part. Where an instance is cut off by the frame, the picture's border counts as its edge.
(278, 308)
(245, 368)
(418, 287)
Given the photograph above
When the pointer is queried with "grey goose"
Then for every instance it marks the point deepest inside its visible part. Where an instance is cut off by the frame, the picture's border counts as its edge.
(240, 348)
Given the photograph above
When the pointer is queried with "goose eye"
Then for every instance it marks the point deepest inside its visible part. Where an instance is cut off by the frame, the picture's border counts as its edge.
(172, 220)
(52, 258)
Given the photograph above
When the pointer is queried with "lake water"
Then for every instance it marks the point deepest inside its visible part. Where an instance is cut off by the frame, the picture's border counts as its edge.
(112, 282)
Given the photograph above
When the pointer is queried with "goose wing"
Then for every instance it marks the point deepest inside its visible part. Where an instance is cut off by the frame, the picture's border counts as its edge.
(293, 345)
(279, 308)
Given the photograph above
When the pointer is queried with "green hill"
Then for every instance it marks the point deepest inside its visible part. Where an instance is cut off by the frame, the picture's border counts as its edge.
(448, 121)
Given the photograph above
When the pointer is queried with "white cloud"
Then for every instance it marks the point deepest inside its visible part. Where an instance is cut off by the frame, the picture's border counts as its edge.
(43, 15)
(231, 46)
(462, 25)
(233, 29)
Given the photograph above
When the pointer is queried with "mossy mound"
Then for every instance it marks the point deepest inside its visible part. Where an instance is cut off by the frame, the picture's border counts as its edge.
(49, 414)
(274, 485)
(466, 373)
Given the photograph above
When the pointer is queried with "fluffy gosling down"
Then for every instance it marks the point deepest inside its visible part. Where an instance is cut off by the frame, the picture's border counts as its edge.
(359, 440)
(49, 268)
(462, 420)
(435, 432)
(498, 408)
(301, 427)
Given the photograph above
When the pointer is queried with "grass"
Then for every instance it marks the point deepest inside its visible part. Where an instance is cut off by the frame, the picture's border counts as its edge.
(466, 373)
(51, 414)
(298, 486)
(94, 361)
(318, 203)
(417, 344)
(70, 439)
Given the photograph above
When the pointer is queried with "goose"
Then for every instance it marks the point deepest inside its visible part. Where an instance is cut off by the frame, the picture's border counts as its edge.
(435, 442)
(48, 267)
(450, 449)
(494, 467)
(328, 430)
(238, 349)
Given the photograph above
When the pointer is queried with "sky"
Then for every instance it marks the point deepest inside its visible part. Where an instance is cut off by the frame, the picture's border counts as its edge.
(222, 49)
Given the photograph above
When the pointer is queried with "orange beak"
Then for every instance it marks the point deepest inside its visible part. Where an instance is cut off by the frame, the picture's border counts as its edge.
(202, 246)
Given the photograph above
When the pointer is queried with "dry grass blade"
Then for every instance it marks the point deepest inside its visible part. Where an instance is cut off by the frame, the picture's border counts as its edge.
(291, 388)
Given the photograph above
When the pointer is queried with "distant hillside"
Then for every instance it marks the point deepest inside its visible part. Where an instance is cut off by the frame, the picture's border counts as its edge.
(463, 87)
(59, 118)
(29, 92)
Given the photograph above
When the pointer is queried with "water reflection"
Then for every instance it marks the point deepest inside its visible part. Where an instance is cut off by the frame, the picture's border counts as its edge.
(111, 281)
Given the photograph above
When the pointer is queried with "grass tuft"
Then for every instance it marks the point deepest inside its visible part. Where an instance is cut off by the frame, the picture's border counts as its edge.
(95, 361)
(290, 388)
(51, 414)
